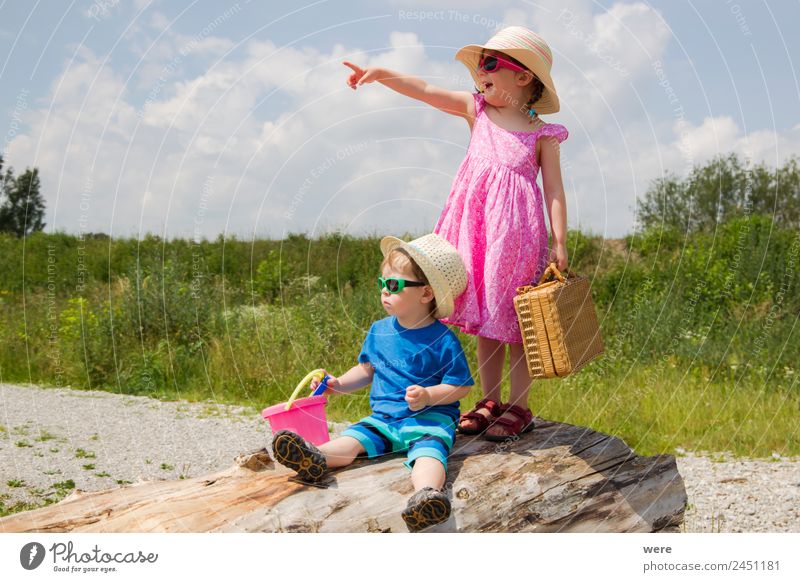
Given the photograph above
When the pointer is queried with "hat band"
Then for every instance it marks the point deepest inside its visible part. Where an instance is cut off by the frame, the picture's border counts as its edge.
(515, 40)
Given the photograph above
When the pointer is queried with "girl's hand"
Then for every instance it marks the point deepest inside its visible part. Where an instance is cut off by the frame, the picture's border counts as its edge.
(361, 76)
(417, 397)
(333, 384)
(558, 255)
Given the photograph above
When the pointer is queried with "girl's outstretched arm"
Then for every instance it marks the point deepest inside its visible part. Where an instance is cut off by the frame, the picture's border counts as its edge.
(555, 199)
(460, 103)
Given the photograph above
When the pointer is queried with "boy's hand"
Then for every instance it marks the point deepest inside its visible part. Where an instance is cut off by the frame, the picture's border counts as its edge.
(333, 384)
(361, 76)
(417, 397)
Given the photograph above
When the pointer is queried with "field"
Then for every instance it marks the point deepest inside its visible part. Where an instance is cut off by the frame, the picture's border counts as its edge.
(701, 345)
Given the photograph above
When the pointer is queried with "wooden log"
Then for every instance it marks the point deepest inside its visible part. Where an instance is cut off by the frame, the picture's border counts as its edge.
(558, 478)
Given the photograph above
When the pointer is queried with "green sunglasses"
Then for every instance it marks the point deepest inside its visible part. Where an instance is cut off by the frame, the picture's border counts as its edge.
(396, 285)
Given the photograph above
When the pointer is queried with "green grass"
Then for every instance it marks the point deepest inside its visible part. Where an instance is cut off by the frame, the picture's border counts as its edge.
(60, 490)
(64, 485)
(84, 454)
(658, 410)
(700, 331)
(19, 506)
(45, 436)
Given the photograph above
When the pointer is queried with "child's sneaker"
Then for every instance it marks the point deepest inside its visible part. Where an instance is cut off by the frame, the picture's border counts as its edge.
(291, 450)
(425, 508)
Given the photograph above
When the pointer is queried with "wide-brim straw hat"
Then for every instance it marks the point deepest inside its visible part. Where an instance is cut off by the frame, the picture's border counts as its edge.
(528, 48)
(440, 262)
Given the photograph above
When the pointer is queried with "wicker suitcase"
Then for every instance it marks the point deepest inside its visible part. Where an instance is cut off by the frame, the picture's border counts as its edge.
(558, 324)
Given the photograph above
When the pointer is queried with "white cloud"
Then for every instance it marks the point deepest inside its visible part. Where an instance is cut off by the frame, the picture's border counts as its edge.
(159, 21)
(619, 165)
(433, 5)
(596, 56)
(713, 135)
(272, 139)
(722, 135)
(223, 127)
(164, 52)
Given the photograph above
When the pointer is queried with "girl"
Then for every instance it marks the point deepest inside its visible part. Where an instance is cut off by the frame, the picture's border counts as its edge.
(494, 215)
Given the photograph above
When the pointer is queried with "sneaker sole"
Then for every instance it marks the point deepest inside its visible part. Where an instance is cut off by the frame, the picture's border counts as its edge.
(429, 512)
(290, 451)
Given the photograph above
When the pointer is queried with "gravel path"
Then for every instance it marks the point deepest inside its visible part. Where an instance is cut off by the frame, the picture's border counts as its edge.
(55, 440)
(741, 495)
(100, 440)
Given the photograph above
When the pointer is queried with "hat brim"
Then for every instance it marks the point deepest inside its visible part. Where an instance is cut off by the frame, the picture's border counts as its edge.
(470, 55)
(441, 290)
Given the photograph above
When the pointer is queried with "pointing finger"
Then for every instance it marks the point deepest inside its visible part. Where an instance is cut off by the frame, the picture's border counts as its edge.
(355, 68)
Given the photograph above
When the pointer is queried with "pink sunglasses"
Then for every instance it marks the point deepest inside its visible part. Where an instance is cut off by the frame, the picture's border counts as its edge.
(492, 63)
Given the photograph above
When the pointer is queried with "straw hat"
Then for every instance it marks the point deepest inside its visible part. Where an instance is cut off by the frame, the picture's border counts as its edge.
(528, 48)
(440, 262)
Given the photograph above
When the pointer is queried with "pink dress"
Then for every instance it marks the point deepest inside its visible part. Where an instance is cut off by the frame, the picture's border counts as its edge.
(494, 217)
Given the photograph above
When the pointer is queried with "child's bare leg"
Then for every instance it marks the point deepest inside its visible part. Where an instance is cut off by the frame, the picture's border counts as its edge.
(341, 451)
(429, 505)
(427, 472)
(491, 355)
(520, 389)
(520, 380)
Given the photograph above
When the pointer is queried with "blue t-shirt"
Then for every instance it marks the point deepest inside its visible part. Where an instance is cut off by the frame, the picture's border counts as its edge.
(402, 357)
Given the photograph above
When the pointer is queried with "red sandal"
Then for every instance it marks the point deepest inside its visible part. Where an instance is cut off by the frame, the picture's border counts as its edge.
(482, 422)
(504, 428)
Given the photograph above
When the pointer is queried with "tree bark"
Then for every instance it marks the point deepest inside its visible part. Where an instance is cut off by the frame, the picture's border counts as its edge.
(558, 478)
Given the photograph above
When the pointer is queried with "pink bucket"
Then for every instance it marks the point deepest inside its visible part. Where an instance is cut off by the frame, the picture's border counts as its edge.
(306, 417)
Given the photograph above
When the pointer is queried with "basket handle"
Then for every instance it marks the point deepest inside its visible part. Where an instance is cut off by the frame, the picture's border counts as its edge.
(318, 373)
(552, 269)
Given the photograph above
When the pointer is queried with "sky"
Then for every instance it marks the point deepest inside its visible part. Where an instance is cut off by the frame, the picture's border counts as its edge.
(195, 119)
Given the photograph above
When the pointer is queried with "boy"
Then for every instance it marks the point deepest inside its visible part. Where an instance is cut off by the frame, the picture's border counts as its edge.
(418, 373)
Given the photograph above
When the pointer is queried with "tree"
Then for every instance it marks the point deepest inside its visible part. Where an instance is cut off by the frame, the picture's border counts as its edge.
(665, 204)
(722, 189)
(21, 204)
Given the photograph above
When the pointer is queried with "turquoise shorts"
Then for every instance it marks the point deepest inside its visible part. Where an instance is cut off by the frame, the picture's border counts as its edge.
(427, 434)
